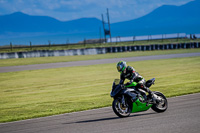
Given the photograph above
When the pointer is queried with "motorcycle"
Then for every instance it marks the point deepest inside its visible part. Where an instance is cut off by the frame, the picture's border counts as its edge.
(123, 104)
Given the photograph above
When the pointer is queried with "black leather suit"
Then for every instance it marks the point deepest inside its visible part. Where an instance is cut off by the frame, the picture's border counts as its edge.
(134, 76)
(131, 75)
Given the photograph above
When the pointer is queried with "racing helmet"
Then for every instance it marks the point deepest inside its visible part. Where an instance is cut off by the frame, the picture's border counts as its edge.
(121, 65)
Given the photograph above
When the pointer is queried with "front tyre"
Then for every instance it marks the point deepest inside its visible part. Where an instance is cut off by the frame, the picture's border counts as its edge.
(120, 109)
(162, 105)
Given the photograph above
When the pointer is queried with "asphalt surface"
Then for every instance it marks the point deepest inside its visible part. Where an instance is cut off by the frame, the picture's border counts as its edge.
(92, 62)
(182, 116)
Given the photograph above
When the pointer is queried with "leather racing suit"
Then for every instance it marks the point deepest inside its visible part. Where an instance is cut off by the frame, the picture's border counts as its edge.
(134, 76)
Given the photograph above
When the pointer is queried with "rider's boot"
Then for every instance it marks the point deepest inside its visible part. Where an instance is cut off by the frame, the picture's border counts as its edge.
(133, 99)
(133, 96)
(151, 98)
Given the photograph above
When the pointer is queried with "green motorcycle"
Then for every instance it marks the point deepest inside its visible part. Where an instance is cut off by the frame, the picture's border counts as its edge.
(123, 104)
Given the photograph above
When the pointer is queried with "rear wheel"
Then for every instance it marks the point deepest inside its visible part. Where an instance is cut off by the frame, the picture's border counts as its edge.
(162, 105)
(120, 109)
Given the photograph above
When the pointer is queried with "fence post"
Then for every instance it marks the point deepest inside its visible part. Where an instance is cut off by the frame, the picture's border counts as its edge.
(84, 42)
(30, 45)
(67, 43)
(100, 34)
(49, 44)
(11, 47)
(133, 39)
(177, 36)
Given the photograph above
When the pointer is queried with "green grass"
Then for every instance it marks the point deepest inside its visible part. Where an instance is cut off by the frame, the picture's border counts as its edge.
(81, 46)
(37, 93)
(41, 60)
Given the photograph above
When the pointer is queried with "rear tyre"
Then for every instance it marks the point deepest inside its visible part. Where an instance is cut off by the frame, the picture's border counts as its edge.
(160, 106)
(119, 109)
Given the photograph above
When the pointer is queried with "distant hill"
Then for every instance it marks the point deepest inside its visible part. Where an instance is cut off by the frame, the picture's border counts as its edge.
(165, 19)
(20, 22)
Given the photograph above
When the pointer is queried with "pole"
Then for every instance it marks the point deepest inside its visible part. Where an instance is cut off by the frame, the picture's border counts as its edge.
(133, 39)
(84, 42)
(100, 34)
(177, 36)
(103, 27)
(49, 44)
(30, 45)
(109, 24)
(11, 47)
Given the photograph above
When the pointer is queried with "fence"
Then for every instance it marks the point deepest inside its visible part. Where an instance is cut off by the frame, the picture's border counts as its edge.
(93, 51)
(148, 37)
(108, 40)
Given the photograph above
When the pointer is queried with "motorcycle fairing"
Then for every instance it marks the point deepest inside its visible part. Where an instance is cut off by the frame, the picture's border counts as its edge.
(115, 90)
(133, 84)
(139, 106)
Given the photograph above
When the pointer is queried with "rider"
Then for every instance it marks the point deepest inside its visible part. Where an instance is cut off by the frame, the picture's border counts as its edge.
(128, 72)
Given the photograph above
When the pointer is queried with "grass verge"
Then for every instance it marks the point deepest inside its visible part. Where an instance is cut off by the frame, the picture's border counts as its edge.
(37, 93)
(41, 60)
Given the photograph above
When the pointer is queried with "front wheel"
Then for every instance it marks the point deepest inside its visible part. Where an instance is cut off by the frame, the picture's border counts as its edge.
(120, 109)
(162, 105)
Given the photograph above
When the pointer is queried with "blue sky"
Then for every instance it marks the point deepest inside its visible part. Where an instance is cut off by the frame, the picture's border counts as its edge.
(64, 10)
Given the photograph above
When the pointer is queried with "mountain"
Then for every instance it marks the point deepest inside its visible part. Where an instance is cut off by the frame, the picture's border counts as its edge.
(20, 22)
(165, 19)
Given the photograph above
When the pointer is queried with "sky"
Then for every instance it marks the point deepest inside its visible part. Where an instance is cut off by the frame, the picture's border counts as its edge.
(65, 10)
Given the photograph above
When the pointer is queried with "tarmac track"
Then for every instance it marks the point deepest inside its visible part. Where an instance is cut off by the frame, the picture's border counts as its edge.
(182, 116)
(92, 62)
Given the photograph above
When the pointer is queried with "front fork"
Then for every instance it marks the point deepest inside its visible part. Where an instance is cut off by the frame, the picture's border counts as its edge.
(123, 101)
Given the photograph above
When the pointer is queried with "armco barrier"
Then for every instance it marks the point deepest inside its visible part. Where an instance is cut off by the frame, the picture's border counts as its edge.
(93, 51)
